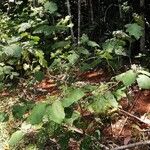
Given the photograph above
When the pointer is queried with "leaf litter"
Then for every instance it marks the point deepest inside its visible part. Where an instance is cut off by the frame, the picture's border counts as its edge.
(122, 130)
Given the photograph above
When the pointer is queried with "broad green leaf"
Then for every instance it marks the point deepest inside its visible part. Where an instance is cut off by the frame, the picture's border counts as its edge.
(39, 75)
(120, 93)
(134, 30)
(1, 73)
(115, 46)
(40, 55)
(111, 99)
(83, 50)
(35, 38)
(85, 67)
(18, 111)
(127, 78)
(7, 69)
(99, 105)
(37, 113)
(13, 50)
(16, 137)
(56, 112)
(72, 58)
(49, 30)
(3, 117)
(92, 44)
(143, 81)
(88, 66)
(103, 103)
(144, 72)
(60, 44)
(84, 39)
(73, 96)
(24, 26)
(51, 7)
(106, 55)
(45, 29)
(3, 56)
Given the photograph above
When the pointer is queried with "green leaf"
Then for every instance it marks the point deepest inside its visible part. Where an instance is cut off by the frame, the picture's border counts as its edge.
(51, 7)
(24, 26)
(120, 93)
(127, 78)
(111, 99)
(49, 30)
(144, 72)
(13, 50)
(103, 103)
(143, 81)
(1, 73)
(16, 137)
(92, 44)
(60, 44)
(39, 76)
(134, 30)
(3, 117)
(99, 105)
(56, 112)
(18, 111)
(7, 69)
(73, 58)
(115, 46)
(40, 55)
(73, 96)
(82, 50)
(1, 85)
(45, 29)
(84, 39)
(37, 113)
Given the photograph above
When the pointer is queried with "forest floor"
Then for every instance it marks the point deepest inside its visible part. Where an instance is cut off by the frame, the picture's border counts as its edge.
(130, 125)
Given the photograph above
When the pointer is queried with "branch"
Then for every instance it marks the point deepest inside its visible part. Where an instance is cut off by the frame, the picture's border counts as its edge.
(132, 145)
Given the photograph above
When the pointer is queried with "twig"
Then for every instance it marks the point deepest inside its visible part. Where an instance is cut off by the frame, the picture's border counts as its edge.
(133, 116)
(80, 131)
(122, 126)
(132, 145)
(126, 114)
(71, 28)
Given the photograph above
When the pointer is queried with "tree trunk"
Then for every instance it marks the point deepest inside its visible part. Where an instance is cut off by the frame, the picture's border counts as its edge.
(142, 40)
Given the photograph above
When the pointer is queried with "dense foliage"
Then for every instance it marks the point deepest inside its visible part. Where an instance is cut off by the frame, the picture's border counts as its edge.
(59, 40)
